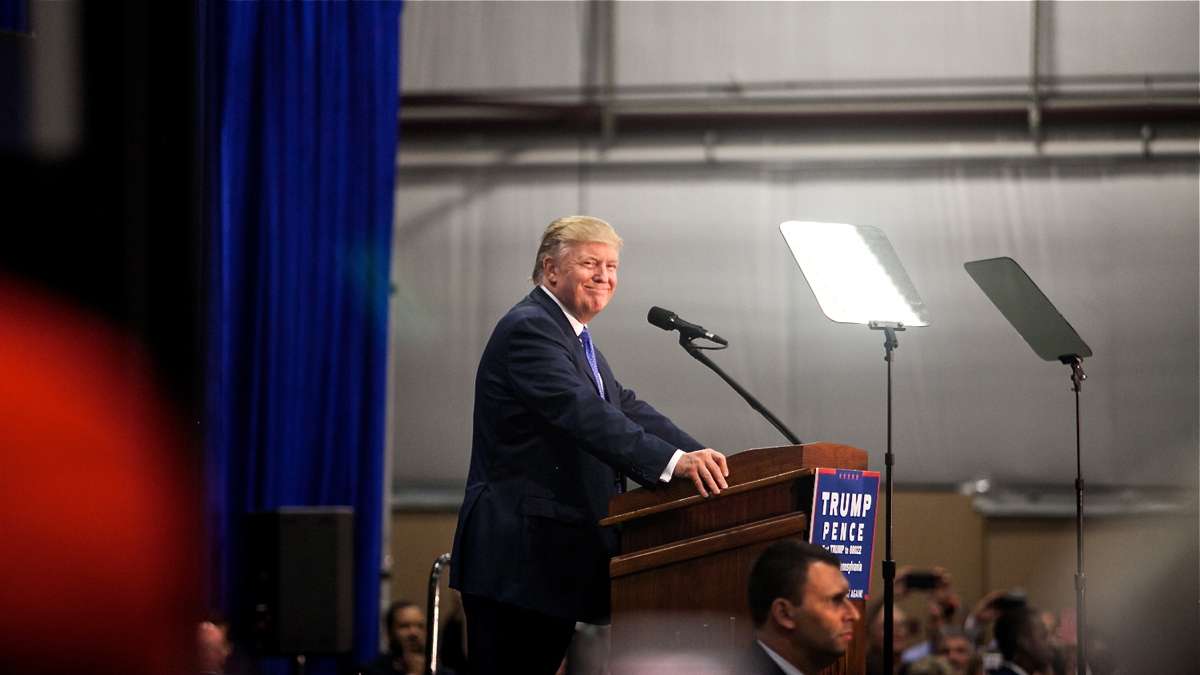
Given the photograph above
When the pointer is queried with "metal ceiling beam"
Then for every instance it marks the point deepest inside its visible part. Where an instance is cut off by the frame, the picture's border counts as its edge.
(998, 105)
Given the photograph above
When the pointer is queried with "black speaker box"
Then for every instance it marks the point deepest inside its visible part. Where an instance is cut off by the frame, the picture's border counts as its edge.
(298, 592)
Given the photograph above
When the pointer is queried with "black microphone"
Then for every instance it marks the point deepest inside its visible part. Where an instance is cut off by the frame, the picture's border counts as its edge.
(667, 320)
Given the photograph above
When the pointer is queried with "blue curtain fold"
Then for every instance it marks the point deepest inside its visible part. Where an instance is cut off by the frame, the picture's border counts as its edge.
(14, 16)
(301, 103)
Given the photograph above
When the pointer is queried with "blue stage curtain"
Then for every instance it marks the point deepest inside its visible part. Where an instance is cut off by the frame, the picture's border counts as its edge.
(301, 103)
(14, 16)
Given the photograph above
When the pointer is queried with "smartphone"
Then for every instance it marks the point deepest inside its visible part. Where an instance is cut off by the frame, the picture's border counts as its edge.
(923, 580)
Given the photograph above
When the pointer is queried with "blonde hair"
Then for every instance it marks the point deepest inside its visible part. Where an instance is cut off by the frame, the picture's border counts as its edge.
(568, 230)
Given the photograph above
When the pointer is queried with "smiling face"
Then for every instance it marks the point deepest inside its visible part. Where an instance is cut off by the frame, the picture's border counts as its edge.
(583, 277)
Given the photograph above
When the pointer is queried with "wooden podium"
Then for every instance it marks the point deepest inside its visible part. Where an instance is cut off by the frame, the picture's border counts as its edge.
(680, 580)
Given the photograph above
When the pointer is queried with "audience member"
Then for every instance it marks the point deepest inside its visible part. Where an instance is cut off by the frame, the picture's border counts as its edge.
(1024, 643)
(404, 622)
(803, 616)
(900, 637)
(213, 646)
(941, 605)
(987, 609)
(956, 647)
(1027, 642)
(929, 665)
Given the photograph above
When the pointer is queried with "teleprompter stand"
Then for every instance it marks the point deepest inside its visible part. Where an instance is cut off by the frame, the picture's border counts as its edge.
(890, 344)
(857, 277)
(1053, 339)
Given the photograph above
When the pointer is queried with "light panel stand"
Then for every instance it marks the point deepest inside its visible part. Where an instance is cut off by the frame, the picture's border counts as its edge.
(1047, 332)
(857, 277)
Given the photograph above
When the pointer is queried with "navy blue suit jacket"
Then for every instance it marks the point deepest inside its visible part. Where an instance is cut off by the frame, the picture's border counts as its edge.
(545, 454)
(757, 662)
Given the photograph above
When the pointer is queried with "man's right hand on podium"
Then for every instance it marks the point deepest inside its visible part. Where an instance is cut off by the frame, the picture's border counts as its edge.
(706, 468)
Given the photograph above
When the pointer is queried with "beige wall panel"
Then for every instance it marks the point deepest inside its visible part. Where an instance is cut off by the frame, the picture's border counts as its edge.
(933, 528)
(1039, 555)
(418, 538)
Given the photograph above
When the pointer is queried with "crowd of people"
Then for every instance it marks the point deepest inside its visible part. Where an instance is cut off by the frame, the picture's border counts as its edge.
(1002, 634)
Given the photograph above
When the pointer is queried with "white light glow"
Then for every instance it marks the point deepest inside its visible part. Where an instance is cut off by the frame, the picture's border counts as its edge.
(851, 282)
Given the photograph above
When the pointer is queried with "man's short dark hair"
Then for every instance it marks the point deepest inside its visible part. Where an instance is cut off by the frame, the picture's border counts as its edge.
(389, 617)
(1010, 626)
(780, 572)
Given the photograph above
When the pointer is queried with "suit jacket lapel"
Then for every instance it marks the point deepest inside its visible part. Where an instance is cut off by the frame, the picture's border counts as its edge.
(606, 375)
(581, 364)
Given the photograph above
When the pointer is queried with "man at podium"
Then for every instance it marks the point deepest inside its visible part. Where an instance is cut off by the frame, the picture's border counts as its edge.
(554, 436)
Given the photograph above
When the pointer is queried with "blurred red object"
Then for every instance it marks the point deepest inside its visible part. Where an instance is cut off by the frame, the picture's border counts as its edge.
(99, 570)
(1066, 632)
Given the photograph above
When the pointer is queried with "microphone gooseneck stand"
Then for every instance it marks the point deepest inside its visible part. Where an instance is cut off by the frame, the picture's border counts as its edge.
(697, 353)
(890, 344)
(1077, 378)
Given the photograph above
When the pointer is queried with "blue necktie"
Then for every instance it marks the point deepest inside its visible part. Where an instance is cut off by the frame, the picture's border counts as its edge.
(590, 353)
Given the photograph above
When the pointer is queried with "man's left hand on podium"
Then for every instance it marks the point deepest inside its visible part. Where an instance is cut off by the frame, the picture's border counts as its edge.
(706, 468)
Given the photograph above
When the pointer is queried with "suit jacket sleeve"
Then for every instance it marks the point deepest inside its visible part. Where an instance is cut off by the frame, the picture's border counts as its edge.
(545, 378)
(653, 421)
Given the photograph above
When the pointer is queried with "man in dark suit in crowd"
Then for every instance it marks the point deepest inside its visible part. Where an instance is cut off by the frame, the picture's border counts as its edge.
(554, 436)
(803, 616)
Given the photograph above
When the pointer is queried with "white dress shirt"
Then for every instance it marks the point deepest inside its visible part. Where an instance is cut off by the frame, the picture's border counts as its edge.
(786, 667)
